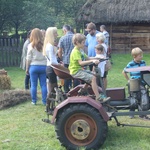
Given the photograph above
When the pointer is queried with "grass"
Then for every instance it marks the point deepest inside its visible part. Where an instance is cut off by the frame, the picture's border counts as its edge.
(21, 126)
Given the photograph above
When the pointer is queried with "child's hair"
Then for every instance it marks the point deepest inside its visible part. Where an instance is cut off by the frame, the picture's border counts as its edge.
(136, 51)
(99, 47)
(78, 38)
(100, 37)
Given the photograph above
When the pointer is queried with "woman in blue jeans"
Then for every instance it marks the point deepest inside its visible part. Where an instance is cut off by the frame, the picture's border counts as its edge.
(36, 65)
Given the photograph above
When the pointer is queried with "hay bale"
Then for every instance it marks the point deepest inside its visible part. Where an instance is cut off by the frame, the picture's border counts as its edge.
(5, 82)
(13, 97)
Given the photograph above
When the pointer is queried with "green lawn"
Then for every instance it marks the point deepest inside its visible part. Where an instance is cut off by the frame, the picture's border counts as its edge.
(21, 126)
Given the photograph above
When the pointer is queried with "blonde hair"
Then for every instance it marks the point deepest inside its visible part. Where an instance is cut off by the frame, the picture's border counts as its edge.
(49, 38)
(78, 38)
(36, 39)
(136, 51)
(100, 37)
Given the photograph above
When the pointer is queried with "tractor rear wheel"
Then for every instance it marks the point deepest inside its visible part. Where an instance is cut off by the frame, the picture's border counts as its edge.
(81, 125)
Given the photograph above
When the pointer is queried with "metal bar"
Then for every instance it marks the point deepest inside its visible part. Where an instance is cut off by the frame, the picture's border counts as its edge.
(131, 113)
(134, 125)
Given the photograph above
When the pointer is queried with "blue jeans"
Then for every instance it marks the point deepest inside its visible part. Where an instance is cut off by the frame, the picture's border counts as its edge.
(38, 72)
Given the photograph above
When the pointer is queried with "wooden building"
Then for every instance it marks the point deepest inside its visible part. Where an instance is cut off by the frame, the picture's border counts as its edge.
(127, 21)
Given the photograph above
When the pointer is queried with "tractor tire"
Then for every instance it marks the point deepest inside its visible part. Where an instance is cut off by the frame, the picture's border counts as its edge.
(81, 125)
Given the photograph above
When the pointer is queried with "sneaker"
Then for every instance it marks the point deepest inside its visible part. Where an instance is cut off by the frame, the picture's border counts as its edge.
(103, 99)
(144, 117)
(33, 103)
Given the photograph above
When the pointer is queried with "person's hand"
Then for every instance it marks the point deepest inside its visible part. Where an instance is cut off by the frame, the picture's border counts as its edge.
(96, 62)
(27, 72)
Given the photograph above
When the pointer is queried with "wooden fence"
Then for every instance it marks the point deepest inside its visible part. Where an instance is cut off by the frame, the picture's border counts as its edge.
(8, 41)
(10, 56)
(11, 51)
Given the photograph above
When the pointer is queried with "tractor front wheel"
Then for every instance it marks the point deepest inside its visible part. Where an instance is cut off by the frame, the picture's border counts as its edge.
(81, 125)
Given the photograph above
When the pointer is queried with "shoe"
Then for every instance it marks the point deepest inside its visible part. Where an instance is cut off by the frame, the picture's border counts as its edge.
(144, 117)
(103, 99)
(33, 103)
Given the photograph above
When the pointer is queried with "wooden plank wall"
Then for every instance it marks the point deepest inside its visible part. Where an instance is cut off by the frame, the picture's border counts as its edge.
(125, 37)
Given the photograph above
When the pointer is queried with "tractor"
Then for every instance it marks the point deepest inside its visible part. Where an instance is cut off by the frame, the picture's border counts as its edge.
(81, 121)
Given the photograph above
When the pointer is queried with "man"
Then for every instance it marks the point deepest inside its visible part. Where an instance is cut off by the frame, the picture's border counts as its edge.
(65, 47)
(106, 34)
(91, 41)
(23, 60)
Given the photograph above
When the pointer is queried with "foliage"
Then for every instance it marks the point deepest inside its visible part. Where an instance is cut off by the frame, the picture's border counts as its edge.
(26, 14)
(21, 127)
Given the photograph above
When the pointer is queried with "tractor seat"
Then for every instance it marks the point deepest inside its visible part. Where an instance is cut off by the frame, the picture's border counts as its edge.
(61, 71)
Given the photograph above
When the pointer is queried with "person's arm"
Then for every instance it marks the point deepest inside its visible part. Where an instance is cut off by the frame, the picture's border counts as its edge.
(60, 48)
(60, 51)
(125, 75)
(28, 62)
(28, 58)
(88, 62)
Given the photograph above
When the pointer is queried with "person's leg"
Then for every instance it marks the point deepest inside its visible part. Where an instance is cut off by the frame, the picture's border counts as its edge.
(52, 84)
(105, 79)
(99, 97)
(94, 87)
(34, 82)
(66, 82)
(76, 82)
(27, 81)
(42, 79)
(91, 67)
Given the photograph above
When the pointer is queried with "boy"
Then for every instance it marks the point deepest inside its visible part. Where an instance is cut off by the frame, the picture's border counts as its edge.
(76, 64)
(137, 61)
(99, 49)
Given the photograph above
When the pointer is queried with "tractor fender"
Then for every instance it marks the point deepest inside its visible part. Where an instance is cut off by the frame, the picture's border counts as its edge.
(78, 100)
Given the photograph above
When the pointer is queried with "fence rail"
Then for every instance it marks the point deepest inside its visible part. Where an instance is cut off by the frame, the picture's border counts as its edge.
(10, 56)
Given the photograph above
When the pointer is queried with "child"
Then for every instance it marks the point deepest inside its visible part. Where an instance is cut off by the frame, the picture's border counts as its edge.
(137, 61)
(99, 49)
(76, 64)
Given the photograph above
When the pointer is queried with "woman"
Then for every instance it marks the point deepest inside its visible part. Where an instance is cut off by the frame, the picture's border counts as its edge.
(36, 65)
(50, 52)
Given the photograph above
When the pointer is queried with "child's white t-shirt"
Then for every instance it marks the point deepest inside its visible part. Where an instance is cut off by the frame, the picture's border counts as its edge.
(101, 65)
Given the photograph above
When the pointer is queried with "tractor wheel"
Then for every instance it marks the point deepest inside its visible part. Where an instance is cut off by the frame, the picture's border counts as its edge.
(81, 125)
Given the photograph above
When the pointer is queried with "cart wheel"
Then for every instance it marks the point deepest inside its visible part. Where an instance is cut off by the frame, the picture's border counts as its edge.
(81, 125)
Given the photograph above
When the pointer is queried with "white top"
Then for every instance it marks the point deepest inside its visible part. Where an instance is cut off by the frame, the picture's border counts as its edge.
(34, 56)
(51, 55)
(106, 34)
(101, 65)
(105, 49)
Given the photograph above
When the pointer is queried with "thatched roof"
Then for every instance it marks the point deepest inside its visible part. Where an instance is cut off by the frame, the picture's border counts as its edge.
(115, 11)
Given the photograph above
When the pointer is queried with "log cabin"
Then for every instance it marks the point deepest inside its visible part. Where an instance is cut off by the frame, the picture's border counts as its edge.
(127, 21)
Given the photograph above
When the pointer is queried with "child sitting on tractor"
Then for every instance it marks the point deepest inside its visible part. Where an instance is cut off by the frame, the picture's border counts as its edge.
(76, 64)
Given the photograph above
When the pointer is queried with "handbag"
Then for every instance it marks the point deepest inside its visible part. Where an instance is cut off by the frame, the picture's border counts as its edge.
(108, 65)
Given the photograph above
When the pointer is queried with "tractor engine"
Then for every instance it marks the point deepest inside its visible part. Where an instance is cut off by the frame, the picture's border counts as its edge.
(138, 95)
